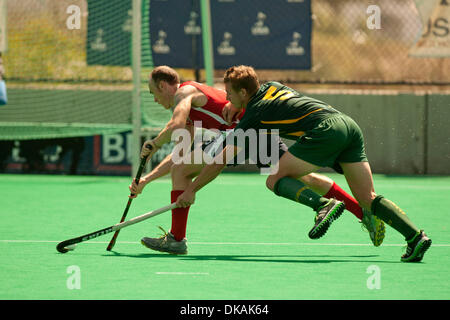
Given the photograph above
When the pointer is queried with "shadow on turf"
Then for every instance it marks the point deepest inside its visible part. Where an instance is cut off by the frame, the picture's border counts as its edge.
(255, 258)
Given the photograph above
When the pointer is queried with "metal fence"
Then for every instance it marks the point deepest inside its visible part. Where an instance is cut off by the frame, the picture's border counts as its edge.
(344, 49)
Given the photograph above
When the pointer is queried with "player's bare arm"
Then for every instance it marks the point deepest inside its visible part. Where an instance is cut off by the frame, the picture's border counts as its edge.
(161, 170)
(208, 174)
(185, 98)
(230, 112)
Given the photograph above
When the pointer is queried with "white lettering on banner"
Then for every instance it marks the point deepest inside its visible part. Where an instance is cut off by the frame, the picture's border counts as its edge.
(117, 148)
(128, 24)
(113, 150)
(129, 147)
(294, 49)
(98, 44)
(225, 48)
(160, 46)
(15, 153)
(55, 156)
(191, 27)
(433, 40)
(259, 29)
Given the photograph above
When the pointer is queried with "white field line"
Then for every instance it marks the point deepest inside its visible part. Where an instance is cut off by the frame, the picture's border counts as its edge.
(236, 243)
(379, 184)
(184, 273)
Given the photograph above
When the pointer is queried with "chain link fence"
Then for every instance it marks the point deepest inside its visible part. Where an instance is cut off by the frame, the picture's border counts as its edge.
(42, 48)
(344, 50)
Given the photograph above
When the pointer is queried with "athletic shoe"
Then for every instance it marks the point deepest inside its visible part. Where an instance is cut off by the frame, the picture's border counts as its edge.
(166, 243)
(326, 214)
(416, 247)
(374, 226)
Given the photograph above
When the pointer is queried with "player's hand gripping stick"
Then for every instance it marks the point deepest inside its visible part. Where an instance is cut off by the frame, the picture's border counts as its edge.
(130, 199)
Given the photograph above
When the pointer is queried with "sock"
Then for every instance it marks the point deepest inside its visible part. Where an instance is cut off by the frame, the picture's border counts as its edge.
(297, 191)
(179, 217)
(350, 203)
(390, 213)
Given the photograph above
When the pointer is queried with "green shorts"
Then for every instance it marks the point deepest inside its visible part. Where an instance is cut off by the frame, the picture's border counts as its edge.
(334, 140)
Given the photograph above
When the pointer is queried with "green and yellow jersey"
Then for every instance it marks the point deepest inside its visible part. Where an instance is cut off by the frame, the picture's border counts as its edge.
(275, 106)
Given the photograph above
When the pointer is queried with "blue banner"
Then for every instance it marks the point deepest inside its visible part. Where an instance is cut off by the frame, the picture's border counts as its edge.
(265, 34)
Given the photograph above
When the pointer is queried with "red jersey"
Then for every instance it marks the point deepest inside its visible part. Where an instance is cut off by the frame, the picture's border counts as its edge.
(211, 113)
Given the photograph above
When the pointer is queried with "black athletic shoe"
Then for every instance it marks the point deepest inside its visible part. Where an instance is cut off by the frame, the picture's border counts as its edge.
(166, 243)
(326, 214)
(416, 248)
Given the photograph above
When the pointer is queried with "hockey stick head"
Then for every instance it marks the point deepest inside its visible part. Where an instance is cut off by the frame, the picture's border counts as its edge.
(65, 246)
(69, 244)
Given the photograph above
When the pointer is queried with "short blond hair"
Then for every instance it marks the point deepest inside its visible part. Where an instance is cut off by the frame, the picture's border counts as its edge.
(242, 77)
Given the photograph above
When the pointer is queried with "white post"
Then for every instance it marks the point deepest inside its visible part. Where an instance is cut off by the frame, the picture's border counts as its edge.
(208, 53)
(136, 100)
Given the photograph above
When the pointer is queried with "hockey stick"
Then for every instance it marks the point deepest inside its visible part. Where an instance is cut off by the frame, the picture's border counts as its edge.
(125, 212)
(62, 246)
